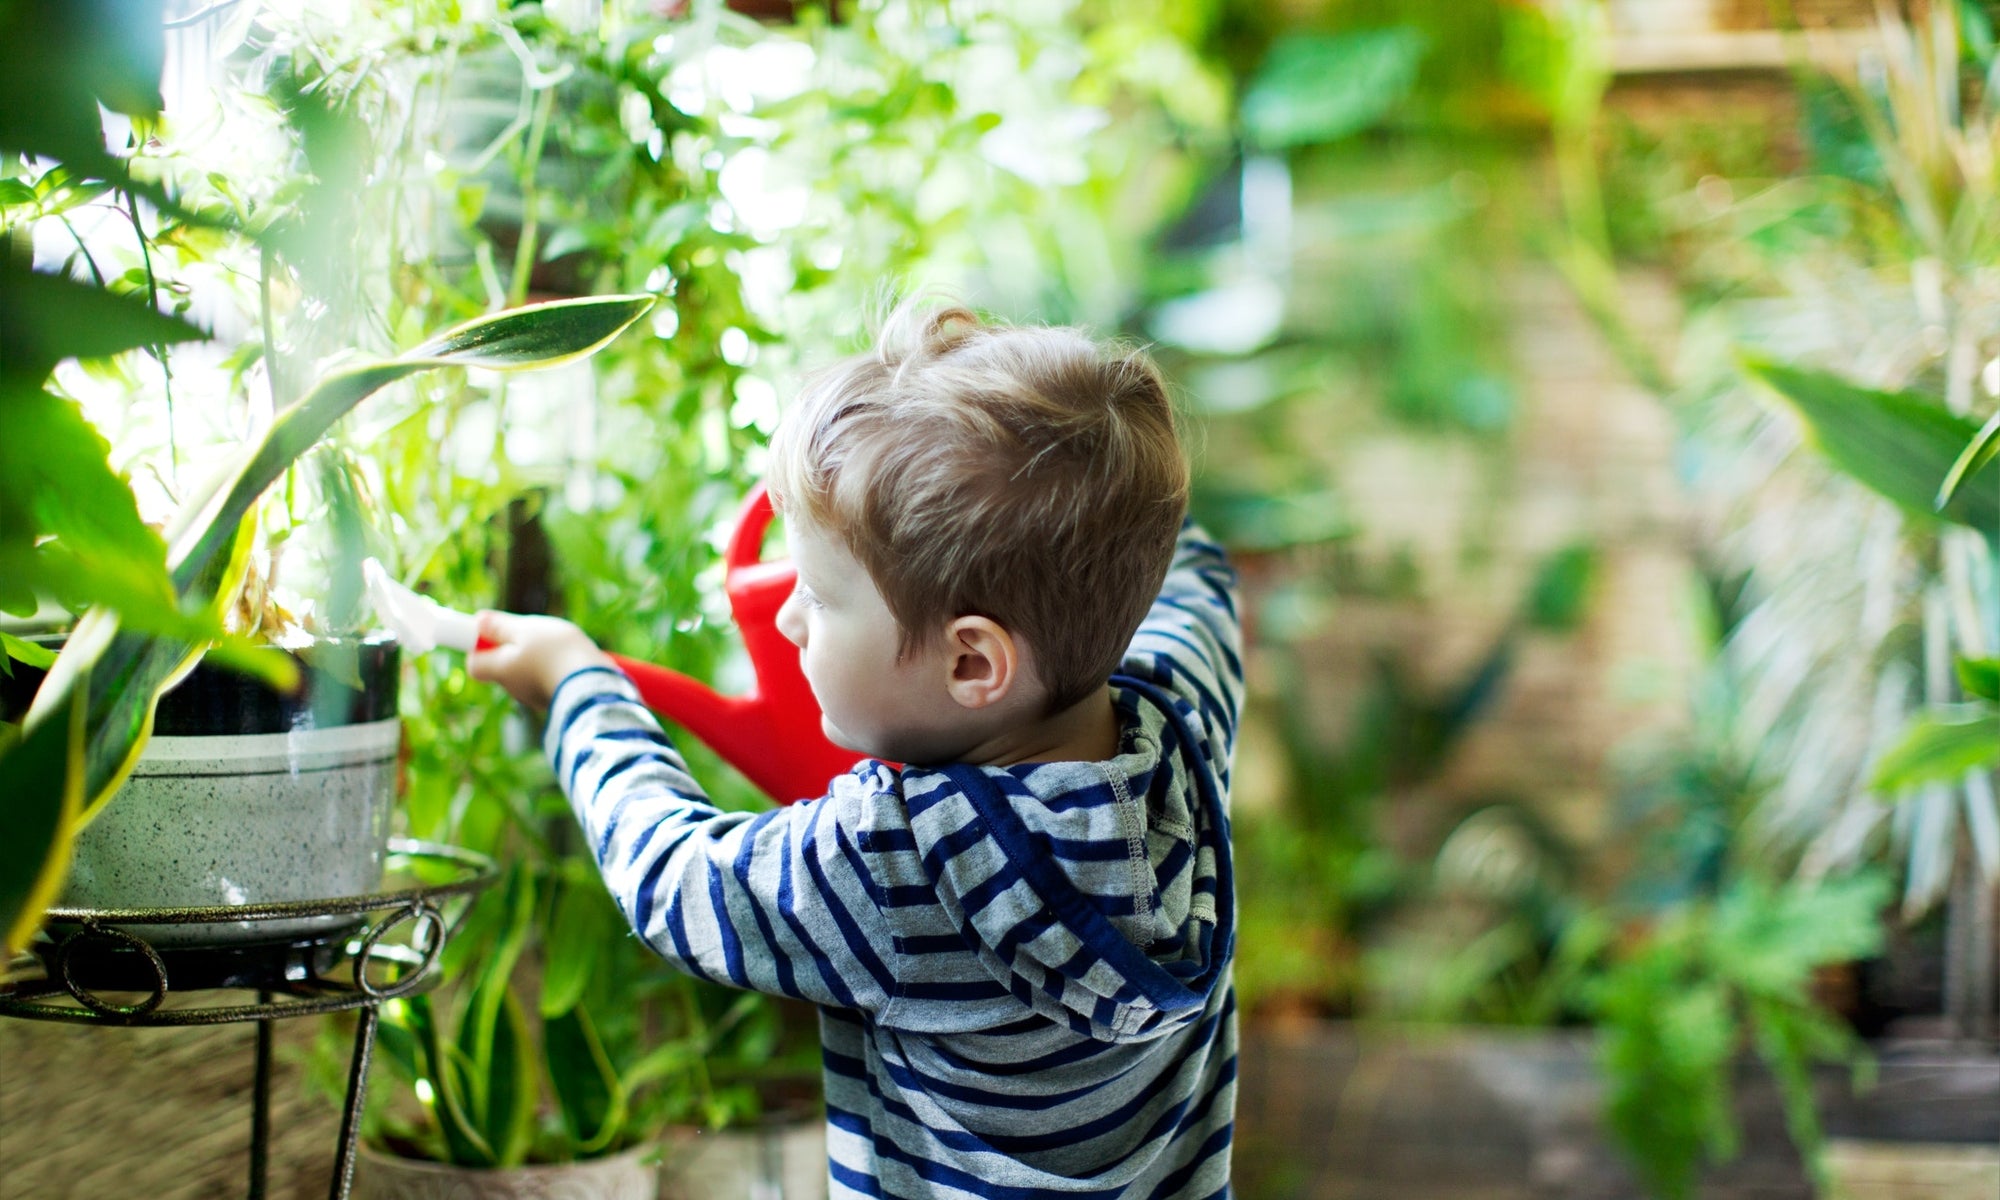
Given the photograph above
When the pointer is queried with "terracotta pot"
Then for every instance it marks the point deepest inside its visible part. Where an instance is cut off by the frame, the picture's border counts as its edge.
(782, 1155)
(631, 1175)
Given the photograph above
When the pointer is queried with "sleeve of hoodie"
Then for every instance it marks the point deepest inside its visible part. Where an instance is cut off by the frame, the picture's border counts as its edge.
(1191, 643)
(775, 901)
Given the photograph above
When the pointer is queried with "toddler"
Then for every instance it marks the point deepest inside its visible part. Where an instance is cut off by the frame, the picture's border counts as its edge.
(1019, 939)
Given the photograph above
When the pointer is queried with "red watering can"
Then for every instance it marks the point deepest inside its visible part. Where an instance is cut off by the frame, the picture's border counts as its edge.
(772, 734)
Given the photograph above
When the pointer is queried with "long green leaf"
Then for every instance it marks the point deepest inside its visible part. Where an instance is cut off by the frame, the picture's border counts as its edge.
(463, 1140)
(537, 335)
(34, 856)
(500, 1070)
(534, 335)
(510, 1095)
(1900, 444)
(1977, 456)
(1937, 747)
(576, 931)
(589, 1096)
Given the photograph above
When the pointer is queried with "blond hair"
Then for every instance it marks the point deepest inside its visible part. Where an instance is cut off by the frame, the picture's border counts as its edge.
(1025, 474)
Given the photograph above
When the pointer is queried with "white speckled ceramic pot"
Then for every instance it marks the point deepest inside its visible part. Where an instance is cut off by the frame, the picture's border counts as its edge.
(247, 795)
(628, 1176)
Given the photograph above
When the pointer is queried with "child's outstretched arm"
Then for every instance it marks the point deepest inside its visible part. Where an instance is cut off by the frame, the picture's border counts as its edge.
(1191, 642)
(773, 901)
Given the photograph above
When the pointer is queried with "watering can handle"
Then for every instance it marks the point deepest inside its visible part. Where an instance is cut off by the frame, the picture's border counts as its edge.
(746, 545)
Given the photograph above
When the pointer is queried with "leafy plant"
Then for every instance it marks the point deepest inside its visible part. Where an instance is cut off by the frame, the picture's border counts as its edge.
(1679, 1002)
(1857, 302)
(1929, 206)
(592, 1060)
(115, 677)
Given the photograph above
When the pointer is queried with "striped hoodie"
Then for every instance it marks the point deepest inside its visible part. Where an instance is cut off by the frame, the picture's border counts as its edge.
(1022, 972)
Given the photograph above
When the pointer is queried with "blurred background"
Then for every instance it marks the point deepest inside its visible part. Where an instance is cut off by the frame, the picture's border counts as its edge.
(1574, 383)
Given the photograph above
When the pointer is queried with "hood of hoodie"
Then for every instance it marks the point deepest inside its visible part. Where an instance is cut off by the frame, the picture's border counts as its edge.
(1097, 893)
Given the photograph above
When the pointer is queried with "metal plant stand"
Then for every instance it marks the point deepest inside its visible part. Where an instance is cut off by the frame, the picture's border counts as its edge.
(91, 953)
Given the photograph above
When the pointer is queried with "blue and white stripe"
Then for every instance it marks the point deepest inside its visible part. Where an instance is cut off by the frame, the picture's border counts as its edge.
(1023, 972)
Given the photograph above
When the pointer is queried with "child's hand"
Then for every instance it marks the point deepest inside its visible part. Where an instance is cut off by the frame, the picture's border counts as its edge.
(529, 656)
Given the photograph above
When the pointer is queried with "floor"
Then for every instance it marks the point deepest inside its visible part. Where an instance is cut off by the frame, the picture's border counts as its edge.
(1326, 1112)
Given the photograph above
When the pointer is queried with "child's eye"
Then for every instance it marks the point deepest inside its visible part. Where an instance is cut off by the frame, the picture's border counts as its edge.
(806, 597)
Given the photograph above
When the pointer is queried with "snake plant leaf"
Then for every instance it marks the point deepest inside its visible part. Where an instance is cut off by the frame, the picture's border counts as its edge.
(1939, 746)
(577, 928)
(1902, 445)
(464, 1143)
(537, 335)
(1977, 456)
(510, 1084)
(34, 856)
(493, 1040)
(591, 1100)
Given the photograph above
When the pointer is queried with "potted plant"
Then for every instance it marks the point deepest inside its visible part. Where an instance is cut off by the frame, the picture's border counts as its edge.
(156, 602)
(559, 1050)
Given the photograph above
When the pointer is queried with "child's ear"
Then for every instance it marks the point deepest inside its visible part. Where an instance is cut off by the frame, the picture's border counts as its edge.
(983, 662)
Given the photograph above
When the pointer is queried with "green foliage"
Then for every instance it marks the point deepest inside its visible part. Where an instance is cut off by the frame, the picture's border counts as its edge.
(1903, 445)
(48, 318)
(1559, 598)
(1939, 746)
(1980, 677)
(1678, 1004)
(58, 62)
(1477, 937)
(1974, 459)
(1318, 88)
(34, 857)
(68, 525)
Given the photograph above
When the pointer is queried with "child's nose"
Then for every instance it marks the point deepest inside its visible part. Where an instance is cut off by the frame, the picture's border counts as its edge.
(791, 622)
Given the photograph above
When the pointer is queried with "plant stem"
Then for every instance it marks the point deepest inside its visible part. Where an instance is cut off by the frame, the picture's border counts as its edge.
(159, 352)
(524, 250)
(265, 261)
(83, 249)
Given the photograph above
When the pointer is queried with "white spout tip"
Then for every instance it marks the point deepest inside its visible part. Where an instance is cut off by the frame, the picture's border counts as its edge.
(408, 615)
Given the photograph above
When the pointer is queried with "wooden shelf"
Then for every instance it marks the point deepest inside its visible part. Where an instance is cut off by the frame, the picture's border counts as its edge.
(1744, 50)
